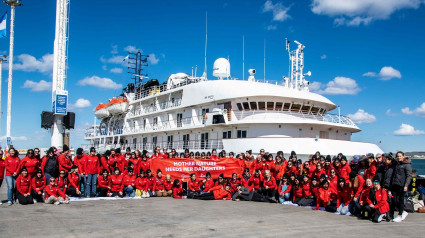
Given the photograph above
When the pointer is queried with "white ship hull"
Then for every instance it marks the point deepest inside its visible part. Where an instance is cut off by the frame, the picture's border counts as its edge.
(102, 113)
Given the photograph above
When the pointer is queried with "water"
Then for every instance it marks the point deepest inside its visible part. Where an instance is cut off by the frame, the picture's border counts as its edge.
(419, 166)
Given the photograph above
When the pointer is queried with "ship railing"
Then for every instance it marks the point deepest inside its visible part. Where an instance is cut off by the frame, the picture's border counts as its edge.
(167, 124)
(163, 87)
(178, 145)
(154, 108)
(328, 117)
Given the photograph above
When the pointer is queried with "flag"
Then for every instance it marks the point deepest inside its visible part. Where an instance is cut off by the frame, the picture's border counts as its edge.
(3, 25)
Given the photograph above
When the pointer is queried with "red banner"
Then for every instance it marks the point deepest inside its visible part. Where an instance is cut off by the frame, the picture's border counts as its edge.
(182, 168)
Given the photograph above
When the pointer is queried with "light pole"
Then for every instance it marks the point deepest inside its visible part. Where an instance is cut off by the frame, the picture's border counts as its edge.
(12, 4)
(2, 59)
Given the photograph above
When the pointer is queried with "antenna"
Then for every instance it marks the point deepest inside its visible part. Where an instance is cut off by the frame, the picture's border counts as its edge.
(206, 41)
(243, 57)
(264, 60)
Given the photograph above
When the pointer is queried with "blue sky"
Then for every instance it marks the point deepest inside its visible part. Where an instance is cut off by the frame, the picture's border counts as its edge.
(366, 56)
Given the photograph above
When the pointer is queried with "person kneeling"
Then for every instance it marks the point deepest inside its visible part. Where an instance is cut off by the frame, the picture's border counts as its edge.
(377, 204)
(23, 187)
(177, 190)
(326, 197)
(53, 195)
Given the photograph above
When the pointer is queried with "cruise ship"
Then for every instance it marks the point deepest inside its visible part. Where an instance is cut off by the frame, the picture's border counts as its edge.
(190, 112)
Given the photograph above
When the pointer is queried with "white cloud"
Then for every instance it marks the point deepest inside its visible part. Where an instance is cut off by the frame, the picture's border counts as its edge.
(117, 59)
(14, 138)
(152, 59)
(131, 49)
(338, 86)
(362, 117)
(280, 12)
(104, 67)
(29, 63)
(114, 50)
(38, 86)
(408, 130)
(357, 12)
(96, 81)
(80, 103)
(323, 56)
(271, 27)
(389, 113)
(386, 73)
(116, 70)
(420, 111)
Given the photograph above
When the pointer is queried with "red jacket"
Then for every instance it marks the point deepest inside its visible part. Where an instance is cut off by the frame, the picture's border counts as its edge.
(194, 185)
(150, 185)
(317, 174)
(74, 180)
(92, 165)
(11, 164)
(129, 180)
(32, 165)
(306, 189)
(38, 184)
(221, 193)
(53, 191)
(144, 165)
(208, 184)
(62, 183)
(233, 185)
(117, 184)
(297, 192)
(168, 185)
(371, 171)
(65, 163)
(357, 191)
(325, 195)
(280, 170)
(154, 156)
(159, 183)
(104, 183)
(80, 163)
(271, 183)
(270, 166)
(345, 196)
(177, 193)
(214, 157)
(104, 164)
(333, 184)
(256, 182)
(141, 184)
(344, 172)
(381, 201)
(281, 188)
(122, 163)
(23, 184)
(1, 168)
(245, 182)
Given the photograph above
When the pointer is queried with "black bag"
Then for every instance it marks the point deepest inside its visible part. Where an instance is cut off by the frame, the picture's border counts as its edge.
(408, 205)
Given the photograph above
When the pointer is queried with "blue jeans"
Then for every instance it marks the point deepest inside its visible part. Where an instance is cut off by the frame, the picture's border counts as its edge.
(129, 191)
(83, 184)
(342, 210)
(11, 188)
(285, 198)
(91, 180)
(152, 193)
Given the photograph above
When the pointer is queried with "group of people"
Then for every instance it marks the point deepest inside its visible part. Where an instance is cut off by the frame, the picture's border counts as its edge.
(369, 186)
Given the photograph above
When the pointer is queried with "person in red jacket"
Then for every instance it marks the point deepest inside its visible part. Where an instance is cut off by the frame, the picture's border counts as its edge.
(214, 155)
(371, 170)
(377, 204)
(207, 183)
(333, 181)
(80, 161)
(284, 189)
(62, 181)
(53, 195)
(11, 164)
(344, 198)
(129, 183)
(220, 181)
(233, 182)
(144, 164)
(245, 179)
(177, 190)
(65, 162)
(23, 187)
(159, 181)
(156, 153)
(318, 171)
(135, 161)
(217, 193)
(361, 209)
(49, 164)
(269, 186)
(194, 186)
(168, 185)
(308, 197)
(345, 169)
(37, 184)
(256, 180)
(141, 185)
(280, 167)
(104, 184)
(356, 184)
(150, 183)
(104, 162)
(73, 188)
(30, 162)
(117, 184)
(326, 198)
(91, 168)
(297, 190)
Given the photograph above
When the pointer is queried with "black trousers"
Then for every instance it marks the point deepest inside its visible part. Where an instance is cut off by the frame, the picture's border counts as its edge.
(267, 192)
(102, 192)
(397, 202)
(206, 196)
(36, 196)
(305, 201)
(331, 207)
(256, 197)
(72, 192)
(24, 200)
(115, 194)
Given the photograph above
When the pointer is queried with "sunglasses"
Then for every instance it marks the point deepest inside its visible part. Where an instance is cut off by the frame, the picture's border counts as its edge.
(52, 181)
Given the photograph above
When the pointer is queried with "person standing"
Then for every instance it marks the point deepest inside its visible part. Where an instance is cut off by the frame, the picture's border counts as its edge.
(11, 164)
(91, 168)
(30, 162)
(65, 162)
(402, 175)
(49, 165)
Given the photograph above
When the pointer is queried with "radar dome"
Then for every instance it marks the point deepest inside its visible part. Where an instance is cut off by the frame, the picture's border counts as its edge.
(221, 68)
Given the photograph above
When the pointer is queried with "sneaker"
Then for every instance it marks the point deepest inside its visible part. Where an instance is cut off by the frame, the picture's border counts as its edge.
(56, 203)
(398, 219)
(380, 218)
(348, 214)
(338, 213)
(9, 203)
(404, 215)
(34, 201)
(66, 201)
(1, 203)
(273, 200)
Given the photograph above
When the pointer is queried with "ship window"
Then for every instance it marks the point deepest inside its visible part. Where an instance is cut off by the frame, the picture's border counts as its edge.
(305, 108)
(246, 106)
(286, 106)
(324, 111)
(314, 110)
(253, 105)
(270, 105)
(295, 107)
(239, 106)
(154, 141)
(227, 134)
(278, 106)
(241, 134)
(261, 105)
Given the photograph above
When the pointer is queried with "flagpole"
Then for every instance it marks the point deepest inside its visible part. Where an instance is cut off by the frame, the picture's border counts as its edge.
(12, 4)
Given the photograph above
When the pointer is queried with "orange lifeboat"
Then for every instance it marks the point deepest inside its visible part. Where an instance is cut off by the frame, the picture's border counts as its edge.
(117, 106)
(101, 111)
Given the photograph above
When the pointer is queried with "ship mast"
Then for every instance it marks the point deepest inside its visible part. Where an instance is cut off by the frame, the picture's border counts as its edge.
(296, 78)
